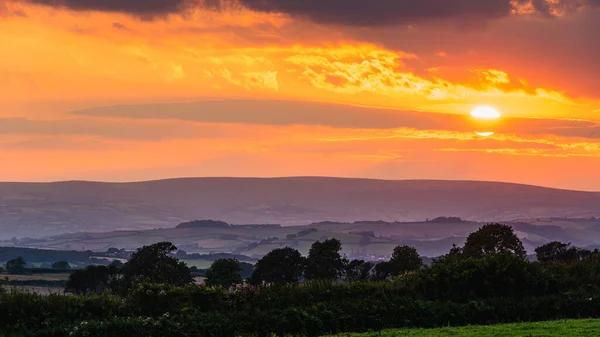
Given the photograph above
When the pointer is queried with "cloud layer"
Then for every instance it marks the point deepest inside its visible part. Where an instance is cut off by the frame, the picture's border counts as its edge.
(342, 12)
(287, 113)
(136, 7)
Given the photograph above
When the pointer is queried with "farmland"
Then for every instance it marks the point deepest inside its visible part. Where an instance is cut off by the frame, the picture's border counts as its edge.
(583, 328)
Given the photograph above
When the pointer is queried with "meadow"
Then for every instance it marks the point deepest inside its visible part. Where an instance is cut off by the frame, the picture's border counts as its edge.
(574, 328)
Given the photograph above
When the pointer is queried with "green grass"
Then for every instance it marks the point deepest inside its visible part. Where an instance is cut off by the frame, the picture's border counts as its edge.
(586, 327)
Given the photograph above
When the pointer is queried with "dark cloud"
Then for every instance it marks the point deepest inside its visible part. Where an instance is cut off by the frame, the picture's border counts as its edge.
(382, 12)
(405, 12)
(338, 116)
(343, 12)
(143, 8)
(122, 27)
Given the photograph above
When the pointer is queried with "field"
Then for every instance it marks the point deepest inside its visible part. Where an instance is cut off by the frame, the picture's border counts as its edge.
(37, 277)
(587, 327)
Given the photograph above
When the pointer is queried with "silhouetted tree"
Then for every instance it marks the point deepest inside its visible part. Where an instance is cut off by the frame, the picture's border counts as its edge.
(154, 265)
(561, 252)
(383, 271)
(16, 266)
(493, 238)
(324, 261)
(405, 259)
(224, 272)
(455, 251)
(280, 266)
(358, 270)
(116, 263)
(61, 265)
(93, 280)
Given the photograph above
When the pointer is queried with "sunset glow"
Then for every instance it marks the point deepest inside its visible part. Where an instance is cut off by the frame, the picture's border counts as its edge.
(134, 92)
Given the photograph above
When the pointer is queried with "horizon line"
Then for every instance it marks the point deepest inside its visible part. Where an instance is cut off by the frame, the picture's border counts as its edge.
(294, 177)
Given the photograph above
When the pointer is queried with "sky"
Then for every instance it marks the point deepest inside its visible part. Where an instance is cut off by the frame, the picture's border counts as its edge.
(115, 90)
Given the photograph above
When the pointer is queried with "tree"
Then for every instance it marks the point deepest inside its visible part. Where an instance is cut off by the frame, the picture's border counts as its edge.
(280, 266)
(154, 265)
(61, 265)
(455, 251)
(16, 266)
(93, 280)
(358, 270)
(224, 273)
(116, 263)
(405, 259)
(246, 270)
(561, 252)
(324, 261)
(501, 275)
(112, 251)
(493, 238)
(383, 271)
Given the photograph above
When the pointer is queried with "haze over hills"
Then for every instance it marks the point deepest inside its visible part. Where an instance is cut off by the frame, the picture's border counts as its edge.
(362, 239)
(44, 209)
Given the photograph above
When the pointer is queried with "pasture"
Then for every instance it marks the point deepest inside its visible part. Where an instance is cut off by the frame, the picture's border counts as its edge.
(584, 327)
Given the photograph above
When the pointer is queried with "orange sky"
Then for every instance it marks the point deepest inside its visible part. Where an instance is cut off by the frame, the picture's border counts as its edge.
(353, 91)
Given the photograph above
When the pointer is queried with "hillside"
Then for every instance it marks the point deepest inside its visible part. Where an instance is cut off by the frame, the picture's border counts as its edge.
(45, 209)
(370, 240)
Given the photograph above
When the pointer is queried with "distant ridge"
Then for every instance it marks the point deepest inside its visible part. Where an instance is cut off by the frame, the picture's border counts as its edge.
(42, 209)
(291, 177)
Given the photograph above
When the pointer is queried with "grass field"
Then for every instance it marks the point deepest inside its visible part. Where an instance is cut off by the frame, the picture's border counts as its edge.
(587, 327)
(41, 276)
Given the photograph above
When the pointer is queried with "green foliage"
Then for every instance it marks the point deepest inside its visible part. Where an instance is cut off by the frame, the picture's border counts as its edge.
(497, 275)
(16, 266)
(116, 263)
(383, 271)
(224, 273)
(491, 239)
(280, 266)
(153, 264)
(487, 282)
(405, 259)
(358, 270)
(561, 252)
(93, 280)
(325, 261)
(61, 265)
(313, 309)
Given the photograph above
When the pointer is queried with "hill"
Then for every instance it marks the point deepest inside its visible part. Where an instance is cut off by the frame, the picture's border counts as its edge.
(45, 209)
(363, 239)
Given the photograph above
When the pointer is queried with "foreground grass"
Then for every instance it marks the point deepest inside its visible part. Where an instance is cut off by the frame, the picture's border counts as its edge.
(587, 327)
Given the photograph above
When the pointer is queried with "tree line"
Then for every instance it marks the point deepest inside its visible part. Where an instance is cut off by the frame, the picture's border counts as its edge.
(488, 280)
(157, 263)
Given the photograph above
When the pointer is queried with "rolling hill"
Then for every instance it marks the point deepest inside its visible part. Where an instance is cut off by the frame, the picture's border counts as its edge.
(363, 239)
(46, 209)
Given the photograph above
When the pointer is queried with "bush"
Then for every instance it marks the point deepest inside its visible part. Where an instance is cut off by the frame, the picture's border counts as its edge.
(495, 276)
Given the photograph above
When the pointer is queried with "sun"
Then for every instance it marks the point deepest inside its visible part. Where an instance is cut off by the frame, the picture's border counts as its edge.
(485, 113)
